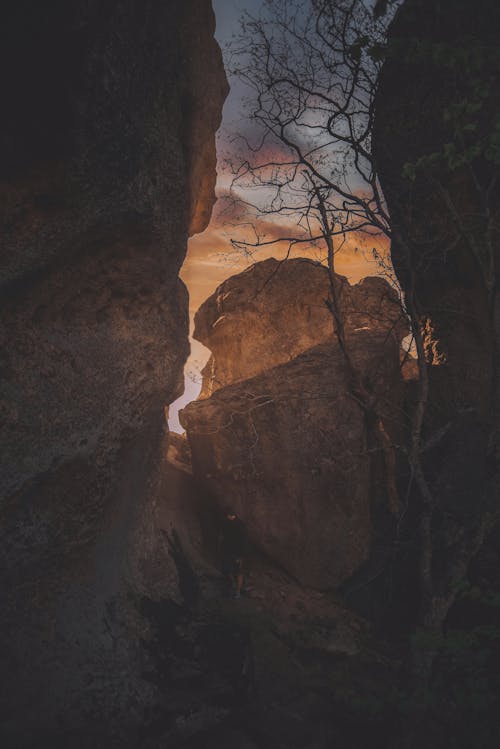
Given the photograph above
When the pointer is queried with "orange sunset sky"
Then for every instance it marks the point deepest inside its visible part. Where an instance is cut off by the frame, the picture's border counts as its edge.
(211, 258)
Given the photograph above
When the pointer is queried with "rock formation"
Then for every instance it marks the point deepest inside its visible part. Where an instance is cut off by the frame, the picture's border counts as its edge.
(415, 87)
(275, 310)
(288, 446)
(439, 174)
(108, 160)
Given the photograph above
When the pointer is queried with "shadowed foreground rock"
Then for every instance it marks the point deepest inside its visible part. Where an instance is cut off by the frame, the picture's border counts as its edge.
(107, 153)
(445, 213)
(289, 448)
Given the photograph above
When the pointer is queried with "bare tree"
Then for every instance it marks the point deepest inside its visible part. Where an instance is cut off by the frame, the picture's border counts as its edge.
(313, 70)
(446, 219)
(313, 73)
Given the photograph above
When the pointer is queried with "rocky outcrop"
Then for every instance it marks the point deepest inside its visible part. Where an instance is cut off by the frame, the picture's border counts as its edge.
(108, 154)
(288, 448)
(275, 310)
(436, 213)
(434, 139)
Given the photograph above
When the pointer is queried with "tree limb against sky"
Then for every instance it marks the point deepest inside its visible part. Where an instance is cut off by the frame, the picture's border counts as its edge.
(311, 70)
(305, 163)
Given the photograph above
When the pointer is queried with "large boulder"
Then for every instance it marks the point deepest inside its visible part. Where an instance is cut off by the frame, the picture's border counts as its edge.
(275, 310)
(107, 153)
(289, 447)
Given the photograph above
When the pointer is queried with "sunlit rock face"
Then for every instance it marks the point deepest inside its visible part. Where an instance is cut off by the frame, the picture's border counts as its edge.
(288, 447)
(275, 310)
(441, 243)
(107, 155)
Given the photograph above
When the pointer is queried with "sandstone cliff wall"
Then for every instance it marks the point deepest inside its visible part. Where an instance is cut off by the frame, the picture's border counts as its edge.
(108, 161)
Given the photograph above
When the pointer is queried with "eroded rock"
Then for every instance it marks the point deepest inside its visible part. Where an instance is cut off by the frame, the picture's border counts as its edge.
(275, 310)
(436, 110)
(441, 246)
(288, 447)
(107, 146)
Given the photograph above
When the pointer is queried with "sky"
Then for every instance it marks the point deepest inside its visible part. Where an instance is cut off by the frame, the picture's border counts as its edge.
(210, 257)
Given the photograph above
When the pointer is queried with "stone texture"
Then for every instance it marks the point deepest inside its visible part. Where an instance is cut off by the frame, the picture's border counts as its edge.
(443, 253)
(178, 452)
(288, 450)
(288, 446)
(107, 150)
(449, 286)
(275, 310)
